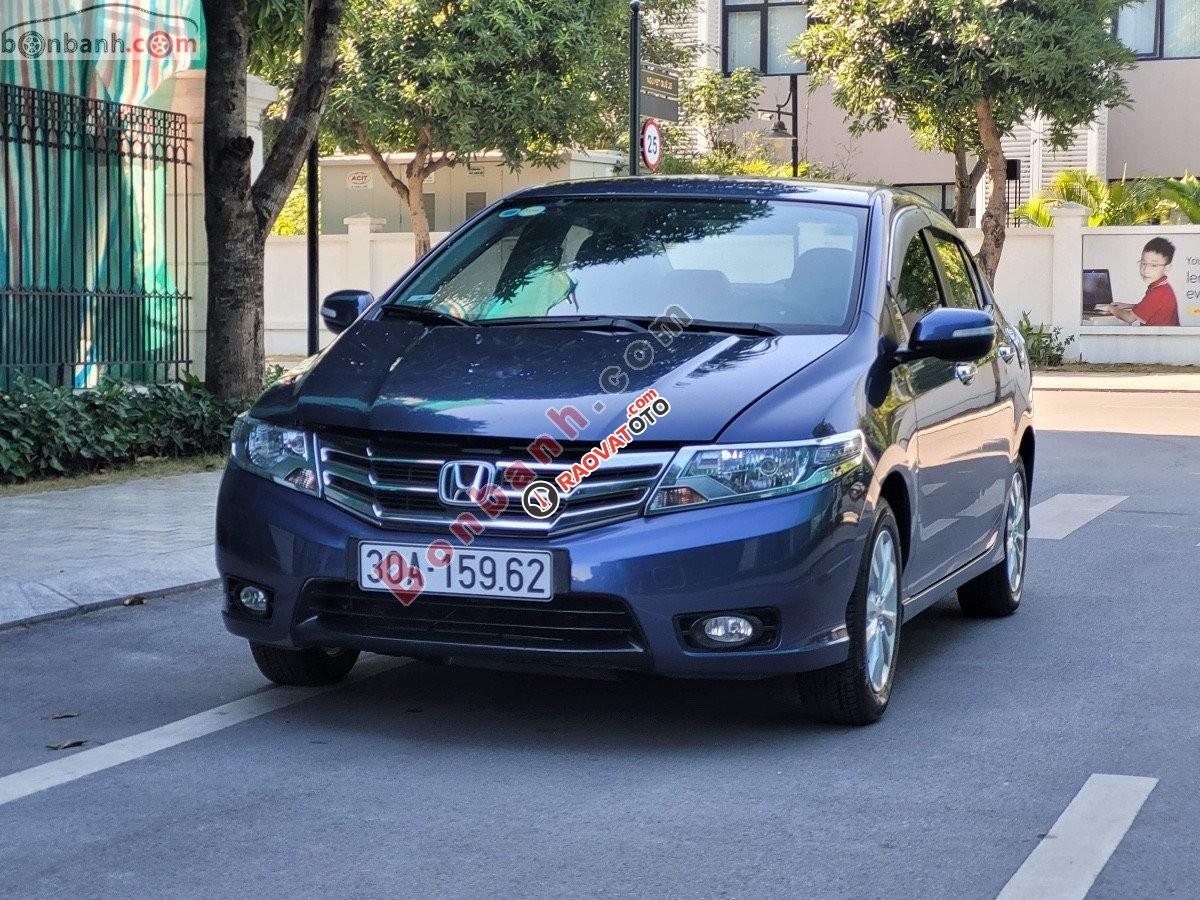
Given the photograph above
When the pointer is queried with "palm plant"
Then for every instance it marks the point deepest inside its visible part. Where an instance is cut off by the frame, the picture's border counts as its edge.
(1139, 201)
(1184, 193)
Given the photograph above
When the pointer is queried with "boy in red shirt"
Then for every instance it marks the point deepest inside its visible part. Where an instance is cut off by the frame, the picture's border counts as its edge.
(1158, 306)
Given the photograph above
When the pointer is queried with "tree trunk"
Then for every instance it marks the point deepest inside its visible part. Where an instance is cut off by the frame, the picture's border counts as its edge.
(235, 340)
(965, 181)
(416, 210)
(994, 220)
(237, 214)
(233, 345)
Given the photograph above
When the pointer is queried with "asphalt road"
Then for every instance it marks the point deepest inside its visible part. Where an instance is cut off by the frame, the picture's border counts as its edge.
(436, 781)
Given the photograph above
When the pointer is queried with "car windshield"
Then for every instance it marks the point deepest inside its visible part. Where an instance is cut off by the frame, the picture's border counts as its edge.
(788, 264)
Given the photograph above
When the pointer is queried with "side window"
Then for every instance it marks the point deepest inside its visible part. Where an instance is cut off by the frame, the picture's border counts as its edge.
(954, 267)
(917, 286)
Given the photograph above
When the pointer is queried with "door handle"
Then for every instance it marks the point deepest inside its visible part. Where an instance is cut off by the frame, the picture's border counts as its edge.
(1006, 352)
(965, 372)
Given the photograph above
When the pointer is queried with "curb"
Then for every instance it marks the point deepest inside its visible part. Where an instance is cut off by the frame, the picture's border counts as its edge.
(94, 605)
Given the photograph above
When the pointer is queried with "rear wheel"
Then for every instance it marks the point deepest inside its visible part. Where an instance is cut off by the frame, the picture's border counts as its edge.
(856, 692)
(306, 667)
(997, 592)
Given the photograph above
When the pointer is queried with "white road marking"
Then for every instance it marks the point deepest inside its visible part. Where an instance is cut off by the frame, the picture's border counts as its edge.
(1062, 514)
(1069, 858)
(87, 762)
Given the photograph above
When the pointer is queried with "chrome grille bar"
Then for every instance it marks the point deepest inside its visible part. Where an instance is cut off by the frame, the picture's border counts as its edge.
(397, 487)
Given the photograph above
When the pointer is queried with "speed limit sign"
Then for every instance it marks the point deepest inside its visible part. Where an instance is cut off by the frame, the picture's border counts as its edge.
(651, 145)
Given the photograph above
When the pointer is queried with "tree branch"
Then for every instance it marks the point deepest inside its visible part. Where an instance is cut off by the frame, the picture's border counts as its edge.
(977, 172)
(380, 163)
(444, 160)
(299, 130)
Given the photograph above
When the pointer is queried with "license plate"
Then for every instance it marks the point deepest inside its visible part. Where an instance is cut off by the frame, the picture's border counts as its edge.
(494, 574)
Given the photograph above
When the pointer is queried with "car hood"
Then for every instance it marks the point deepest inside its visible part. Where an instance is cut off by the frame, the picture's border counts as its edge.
(502, 381)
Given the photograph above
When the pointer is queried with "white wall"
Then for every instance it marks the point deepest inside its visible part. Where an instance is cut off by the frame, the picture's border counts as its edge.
(1041, 272)
(1022, 285)
(286, 290)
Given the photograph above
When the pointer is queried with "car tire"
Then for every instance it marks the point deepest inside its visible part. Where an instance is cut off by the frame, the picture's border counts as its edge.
(856, 692)
(997, 592)
(306, 667)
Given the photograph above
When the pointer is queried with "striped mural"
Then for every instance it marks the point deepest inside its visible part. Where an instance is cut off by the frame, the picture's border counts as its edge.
(94, 177)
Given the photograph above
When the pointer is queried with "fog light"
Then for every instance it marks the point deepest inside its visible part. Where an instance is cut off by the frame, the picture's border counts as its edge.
(727, 630)
(254, 599)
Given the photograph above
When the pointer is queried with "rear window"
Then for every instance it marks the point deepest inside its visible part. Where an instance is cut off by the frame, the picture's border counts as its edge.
(792, 265)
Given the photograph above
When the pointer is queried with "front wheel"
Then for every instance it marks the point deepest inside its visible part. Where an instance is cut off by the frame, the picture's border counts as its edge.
(997, 592)
(856, 692)
(306, 667)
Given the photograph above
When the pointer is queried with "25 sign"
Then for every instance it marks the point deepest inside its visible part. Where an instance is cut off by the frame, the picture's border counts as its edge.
(651, 145)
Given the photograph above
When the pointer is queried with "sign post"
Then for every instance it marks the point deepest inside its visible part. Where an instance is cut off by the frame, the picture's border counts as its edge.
(634, 89)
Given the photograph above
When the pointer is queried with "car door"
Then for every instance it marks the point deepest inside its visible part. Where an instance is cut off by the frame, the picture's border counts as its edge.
(960, 437)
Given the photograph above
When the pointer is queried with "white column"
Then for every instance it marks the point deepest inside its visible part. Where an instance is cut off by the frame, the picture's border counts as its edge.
(1066, 276)
(184, 93)
(259, 95)
(358, 258)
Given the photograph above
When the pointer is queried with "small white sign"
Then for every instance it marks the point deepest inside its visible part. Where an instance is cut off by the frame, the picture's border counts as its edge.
(359, 180)
(651, 145)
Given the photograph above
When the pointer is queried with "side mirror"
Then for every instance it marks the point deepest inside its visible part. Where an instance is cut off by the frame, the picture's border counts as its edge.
(955, 335)
(341, 308)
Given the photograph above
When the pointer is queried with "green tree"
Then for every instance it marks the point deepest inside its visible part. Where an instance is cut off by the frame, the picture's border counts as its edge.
(713, 102)
(446, 80)
(1140, 201)
(239, 211)
(979, 66)
(292, 220)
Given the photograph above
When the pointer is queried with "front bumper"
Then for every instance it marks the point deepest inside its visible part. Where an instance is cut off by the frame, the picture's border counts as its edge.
(797, 555)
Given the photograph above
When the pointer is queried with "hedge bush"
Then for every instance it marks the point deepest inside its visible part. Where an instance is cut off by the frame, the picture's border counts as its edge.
(48, 430)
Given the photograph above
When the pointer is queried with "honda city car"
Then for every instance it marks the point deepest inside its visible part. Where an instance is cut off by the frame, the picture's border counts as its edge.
(700, 427)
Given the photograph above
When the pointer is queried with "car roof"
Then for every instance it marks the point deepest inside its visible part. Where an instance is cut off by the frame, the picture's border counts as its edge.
(708, 186)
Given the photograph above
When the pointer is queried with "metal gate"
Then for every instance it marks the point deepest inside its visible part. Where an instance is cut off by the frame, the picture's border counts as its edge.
(94, 275)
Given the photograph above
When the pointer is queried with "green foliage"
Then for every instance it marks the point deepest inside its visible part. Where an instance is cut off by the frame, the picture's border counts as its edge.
(749, 155)
(1184, 194)
(48, 430)
(1045, 348)
(522, 77)
(713, 102)
(929, 62)
(1140, 201)
(293, 218)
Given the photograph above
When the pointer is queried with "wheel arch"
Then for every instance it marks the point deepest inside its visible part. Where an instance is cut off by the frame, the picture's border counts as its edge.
(894, 489)
(1026, 451)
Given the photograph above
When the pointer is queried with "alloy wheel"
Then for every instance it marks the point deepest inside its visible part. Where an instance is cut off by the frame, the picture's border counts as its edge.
(1015, 533)
(883, 607)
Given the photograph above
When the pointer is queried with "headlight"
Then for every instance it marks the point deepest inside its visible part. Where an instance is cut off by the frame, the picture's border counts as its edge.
(730, 473)
(285, 455)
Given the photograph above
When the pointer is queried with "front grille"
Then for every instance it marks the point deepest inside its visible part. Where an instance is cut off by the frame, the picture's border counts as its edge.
(568, 622)
(393, 482)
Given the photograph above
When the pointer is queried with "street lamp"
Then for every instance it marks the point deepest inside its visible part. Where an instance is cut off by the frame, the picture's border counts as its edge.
(779, 130)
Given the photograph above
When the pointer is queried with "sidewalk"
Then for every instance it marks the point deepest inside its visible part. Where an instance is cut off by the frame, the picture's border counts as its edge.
(78, 549)
(1155, 382)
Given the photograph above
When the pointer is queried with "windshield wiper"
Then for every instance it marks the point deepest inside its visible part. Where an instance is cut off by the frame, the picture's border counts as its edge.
(420, 314)
(727, 327)
(612, 323)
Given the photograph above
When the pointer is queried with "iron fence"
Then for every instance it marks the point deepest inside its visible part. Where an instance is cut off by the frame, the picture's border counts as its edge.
(94, 275)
